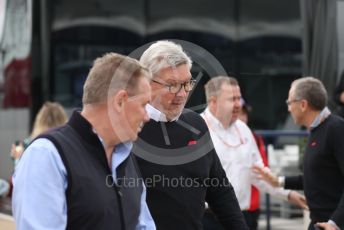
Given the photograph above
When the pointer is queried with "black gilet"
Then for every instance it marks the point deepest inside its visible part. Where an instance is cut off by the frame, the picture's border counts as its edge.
(93, 200)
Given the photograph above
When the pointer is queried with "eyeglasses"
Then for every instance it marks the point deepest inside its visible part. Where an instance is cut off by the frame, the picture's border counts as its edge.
(175, 88)
(292, 101)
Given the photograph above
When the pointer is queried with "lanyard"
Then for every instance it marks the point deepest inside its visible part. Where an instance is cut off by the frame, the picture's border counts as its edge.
(242, 141)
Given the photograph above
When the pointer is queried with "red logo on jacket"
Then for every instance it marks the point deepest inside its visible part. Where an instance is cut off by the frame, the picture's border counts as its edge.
(192, 142)
(313, 143)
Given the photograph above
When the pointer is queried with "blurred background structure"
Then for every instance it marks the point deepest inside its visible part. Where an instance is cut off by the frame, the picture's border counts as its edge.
(47, 47)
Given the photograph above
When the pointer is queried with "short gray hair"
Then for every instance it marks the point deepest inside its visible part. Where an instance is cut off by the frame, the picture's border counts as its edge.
(109, 74)
(311, 90)
(213, 86)
(162, 54)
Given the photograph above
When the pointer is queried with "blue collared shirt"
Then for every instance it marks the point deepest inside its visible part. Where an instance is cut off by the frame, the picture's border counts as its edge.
(40, 182)
(320, 118)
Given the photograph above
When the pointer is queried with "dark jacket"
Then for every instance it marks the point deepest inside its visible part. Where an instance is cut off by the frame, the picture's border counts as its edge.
(177, 191)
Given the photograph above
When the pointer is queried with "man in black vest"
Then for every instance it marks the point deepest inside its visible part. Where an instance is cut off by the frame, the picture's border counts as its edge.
(175, 154)
(81, 175)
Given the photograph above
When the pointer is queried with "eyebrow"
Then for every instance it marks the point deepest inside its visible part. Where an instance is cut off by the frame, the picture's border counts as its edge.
(172, 81)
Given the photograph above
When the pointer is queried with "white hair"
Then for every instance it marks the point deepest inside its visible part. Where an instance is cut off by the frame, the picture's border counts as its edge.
(162, 54)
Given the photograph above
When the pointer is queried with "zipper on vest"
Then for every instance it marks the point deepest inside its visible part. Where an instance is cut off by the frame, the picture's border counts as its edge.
(119, 199)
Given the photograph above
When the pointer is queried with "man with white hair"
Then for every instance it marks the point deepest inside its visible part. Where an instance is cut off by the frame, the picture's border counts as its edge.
(177, 132)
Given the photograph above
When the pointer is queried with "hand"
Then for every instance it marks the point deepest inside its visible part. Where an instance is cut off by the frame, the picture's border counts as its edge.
(341, 98)
(17, 151)
(325, 226)
(298, 199)
(265, 174)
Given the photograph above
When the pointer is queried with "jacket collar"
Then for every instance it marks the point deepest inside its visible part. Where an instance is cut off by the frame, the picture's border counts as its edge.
(84, 129)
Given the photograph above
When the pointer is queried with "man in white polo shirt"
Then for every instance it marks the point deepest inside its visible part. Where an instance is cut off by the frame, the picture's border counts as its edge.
(235, 144)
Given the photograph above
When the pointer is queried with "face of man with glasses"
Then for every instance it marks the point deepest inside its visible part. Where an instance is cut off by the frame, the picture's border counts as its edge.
(294, 107)
(170, 89)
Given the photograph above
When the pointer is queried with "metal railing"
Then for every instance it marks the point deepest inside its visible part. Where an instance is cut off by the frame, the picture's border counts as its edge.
(276, 134)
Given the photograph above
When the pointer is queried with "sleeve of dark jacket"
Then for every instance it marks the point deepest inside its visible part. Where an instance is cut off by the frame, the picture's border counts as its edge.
(337, 139)
(294, 182)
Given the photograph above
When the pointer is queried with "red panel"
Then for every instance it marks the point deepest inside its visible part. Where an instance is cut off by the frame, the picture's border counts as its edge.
(17, 87)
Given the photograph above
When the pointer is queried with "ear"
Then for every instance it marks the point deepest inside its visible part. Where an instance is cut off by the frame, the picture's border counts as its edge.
(119, 99)
(304, 105)
(212, 103)
(212, 100)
